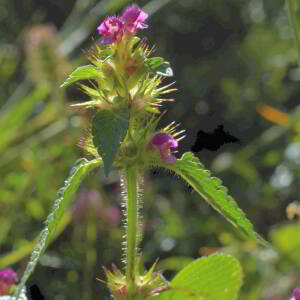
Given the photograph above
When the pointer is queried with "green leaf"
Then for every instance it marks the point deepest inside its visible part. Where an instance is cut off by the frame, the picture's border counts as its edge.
(106, 54)
(286, 239)
(66, 193)
(109, 129)
(293, 8)
(211, 189)
(214, 277)
(12, 121)
(82, 73)
(159, 66)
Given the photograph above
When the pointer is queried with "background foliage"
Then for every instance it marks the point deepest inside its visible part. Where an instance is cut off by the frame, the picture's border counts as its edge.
(234, 63)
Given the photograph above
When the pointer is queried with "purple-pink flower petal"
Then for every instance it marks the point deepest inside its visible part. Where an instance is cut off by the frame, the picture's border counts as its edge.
(8, 278)
(164, 142)
(112, 29)
(296, 294)
(134, 18)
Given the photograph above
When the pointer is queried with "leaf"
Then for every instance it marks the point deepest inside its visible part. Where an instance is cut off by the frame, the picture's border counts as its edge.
(211, 189)
(293, 8)
(109, 129)
(159, 66)
(13, 120)
(214, 277)
(82, 73)
(287, 240)
(66, 193)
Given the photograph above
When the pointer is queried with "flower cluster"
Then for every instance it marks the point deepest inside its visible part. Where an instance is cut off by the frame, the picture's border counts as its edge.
(126, 81)
(8, 279)
(114, 28)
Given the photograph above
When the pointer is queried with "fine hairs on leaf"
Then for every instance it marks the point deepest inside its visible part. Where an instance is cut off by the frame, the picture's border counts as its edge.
(211, 189)
(77, 175)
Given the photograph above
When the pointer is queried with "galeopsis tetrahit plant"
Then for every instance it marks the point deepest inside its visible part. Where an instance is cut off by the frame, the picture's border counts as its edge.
(126, 91)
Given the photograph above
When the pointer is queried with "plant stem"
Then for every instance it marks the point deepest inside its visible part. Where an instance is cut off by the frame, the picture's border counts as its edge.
(294, 24)
(132, 224)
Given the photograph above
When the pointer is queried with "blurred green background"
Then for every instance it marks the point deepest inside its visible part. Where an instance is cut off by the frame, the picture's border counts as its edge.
(234, 63)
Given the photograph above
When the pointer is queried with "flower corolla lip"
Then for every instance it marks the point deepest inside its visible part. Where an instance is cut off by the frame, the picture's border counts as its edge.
(134, 18)
(8, 278)
(112, 29)
(296, 294)
(164, 142)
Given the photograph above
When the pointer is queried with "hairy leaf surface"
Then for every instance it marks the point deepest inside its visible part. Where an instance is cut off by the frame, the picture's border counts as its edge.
(211, 189)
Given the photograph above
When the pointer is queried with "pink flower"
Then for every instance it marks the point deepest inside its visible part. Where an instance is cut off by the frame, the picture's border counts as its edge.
(164, 142)
(112, 30)
(113, 214)
(8, 278)
(296, 294)
(133, 18)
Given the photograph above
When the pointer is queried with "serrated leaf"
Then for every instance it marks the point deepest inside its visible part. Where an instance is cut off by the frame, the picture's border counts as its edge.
(77, 174)
(159, 66)
(109, 129)
(214, 277)
(211, 189)
(82, 73)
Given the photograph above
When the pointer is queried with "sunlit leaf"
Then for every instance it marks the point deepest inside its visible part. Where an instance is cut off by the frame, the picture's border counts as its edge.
(214, 277)
(286, 239)
(82, 73)
(211, 189)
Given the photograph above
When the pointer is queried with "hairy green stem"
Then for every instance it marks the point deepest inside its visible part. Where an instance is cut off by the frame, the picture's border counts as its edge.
(132, 224)
(294, 24)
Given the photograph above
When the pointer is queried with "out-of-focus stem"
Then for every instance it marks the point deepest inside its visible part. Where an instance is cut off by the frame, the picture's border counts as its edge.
(132, 224)
(294, 24)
